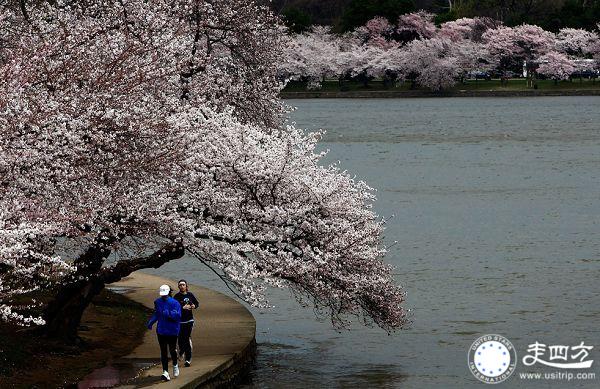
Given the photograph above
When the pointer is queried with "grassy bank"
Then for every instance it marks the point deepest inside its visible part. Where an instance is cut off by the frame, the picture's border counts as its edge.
(376, 88)
(112, 326)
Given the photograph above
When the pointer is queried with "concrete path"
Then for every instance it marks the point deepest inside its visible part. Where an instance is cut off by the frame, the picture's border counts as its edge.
(223, 336)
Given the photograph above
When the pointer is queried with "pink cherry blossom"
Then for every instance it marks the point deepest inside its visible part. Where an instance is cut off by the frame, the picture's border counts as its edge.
(575, 41)
(467, 28)
(555, 65)
(512, 47)
(311, 55)
(525, 41)
(379, 26)
(433, 62)
(419, 24)
(134, 133)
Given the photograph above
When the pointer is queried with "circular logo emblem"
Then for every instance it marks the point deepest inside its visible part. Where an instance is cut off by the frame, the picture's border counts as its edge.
(492, 359)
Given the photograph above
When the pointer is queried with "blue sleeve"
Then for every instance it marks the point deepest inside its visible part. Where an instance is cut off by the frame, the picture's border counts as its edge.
(154, 317)
(173, 312)
(177, 311)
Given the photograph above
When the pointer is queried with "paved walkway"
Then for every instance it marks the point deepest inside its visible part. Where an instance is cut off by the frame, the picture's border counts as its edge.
(223, 336)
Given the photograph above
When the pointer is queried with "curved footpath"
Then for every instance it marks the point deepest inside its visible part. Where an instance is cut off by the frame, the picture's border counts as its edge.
(223, 337)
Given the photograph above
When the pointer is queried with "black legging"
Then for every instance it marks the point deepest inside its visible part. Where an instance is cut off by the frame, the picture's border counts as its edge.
(164, 341)
(185, 346)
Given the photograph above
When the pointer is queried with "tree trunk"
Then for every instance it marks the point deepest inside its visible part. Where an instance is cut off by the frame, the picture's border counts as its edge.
(63, 314)
(24, 9)
(341, 84)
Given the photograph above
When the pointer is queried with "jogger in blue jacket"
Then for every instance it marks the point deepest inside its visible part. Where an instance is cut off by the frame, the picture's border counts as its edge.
(167, 312)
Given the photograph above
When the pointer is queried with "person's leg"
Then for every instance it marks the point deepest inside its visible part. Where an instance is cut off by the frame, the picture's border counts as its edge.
(173, 348)
(164, 358)
(181, 340)
(189, 343)
(184, 340)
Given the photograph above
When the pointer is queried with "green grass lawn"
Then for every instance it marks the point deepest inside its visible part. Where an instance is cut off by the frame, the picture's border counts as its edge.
(515, 84)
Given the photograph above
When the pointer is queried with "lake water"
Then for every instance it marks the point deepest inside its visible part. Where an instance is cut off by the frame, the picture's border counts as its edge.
(496, 204)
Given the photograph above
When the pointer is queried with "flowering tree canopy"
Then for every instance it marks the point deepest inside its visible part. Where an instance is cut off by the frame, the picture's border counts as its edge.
(517, 44)
(311, 55)
(556, 66)
(381, 50)
(467, 28)
(379, 32)
(576, 41)
(434, 62)
(416, 25)
(134, 132)
(379, 27)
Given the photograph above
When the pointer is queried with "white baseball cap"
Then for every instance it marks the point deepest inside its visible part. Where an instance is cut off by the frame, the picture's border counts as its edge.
(164, 290)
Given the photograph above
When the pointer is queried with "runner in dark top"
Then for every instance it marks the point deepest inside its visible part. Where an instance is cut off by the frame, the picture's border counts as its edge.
(188, 302)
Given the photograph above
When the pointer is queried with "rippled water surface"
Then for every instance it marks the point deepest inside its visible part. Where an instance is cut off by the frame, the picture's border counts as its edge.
(496, 204)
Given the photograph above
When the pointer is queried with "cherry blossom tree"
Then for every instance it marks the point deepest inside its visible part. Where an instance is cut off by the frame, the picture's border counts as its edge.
(456, 30)
(380, 50)
(416, 25)
(311, 56)
(353, 50)
(379, 28)
(510, 47)
(555, 65)
(467, 28)
(433, 61)
(595, 48)
(470, 56)
(386, 64)
(578, 42)
(377, 57)
(133, 133)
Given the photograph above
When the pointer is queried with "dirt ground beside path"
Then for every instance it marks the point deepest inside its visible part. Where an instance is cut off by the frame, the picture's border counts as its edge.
(112, 326)
(118, 348)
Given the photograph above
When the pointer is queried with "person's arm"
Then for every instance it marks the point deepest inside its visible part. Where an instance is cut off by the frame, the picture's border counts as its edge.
(178, 299)
(153, 319)
(195, 301)
(175, 312)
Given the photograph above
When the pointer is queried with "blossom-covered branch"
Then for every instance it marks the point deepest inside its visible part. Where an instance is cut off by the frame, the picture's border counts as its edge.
(134, 132)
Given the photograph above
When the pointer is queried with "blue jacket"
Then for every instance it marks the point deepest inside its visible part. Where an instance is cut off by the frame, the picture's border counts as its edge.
(168, 314)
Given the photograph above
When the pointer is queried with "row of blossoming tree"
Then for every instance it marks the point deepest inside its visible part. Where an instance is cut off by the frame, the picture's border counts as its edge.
(417, 50)
(135, 132)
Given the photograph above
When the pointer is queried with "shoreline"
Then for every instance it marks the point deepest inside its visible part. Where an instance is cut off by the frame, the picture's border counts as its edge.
(378, 94)
(223, 338)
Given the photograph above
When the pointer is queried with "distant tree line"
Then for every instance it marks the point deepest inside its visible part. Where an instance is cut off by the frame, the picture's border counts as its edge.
(346, 15)
(416, 50)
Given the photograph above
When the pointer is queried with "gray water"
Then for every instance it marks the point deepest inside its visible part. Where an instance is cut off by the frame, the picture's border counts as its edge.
(495, 204)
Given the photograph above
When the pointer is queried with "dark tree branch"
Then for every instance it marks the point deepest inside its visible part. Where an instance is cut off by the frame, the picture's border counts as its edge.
(63, 314)
(24, 9)
(124, 268)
